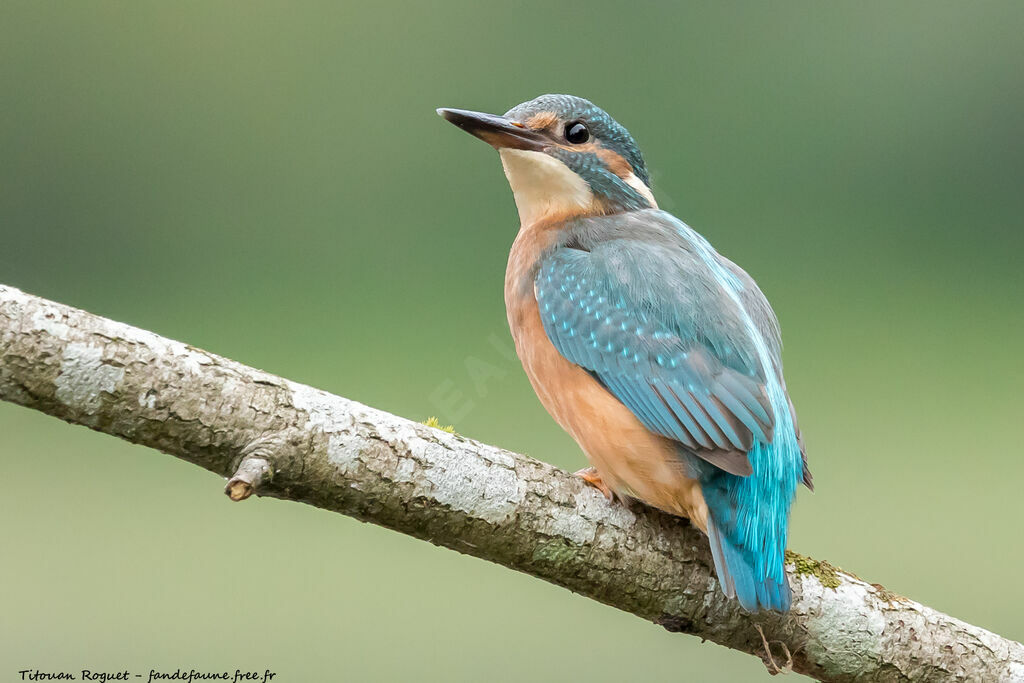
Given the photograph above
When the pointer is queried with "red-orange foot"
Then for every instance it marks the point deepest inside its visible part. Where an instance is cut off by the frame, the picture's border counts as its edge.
(593, 477)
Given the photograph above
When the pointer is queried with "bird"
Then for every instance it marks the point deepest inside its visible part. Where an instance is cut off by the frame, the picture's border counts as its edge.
(658, 355)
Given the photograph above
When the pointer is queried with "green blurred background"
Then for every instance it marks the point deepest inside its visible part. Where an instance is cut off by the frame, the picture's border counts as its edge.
(269, 181)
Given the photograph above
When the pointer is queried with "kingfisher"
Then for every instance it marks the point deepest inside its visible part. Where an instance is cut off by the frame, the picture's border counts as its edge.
(658, 355)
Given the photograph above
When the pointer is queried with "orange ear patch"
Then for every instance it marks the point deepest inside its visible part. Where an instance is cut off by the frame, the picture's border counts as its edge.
(615, 162)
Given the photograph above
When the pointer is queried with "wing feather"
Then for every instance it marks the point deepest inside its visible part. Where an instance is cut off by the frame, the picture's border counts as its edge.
(659, 331)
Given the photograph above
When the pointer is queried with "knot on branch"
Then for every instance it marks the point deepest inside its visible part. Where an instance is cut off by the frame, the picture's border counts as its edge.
(256, 466)
(249, 476)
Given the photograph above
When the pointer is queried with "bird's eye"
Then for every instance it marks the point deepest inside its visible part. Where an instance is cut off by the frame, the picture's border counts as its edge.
(576, 132)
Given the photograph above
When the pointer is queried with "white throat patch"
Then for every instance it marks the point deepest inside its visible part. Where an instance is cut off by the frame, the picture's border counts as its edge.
(543, 186)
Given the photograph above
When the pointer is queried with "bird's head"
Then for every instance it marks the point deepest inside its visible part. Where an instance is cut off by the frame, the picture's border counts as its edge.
(563, 157)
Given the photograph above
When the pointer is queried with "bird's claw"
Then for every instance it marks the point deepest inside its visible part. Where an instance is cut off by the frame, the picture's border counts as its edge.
(593, 477)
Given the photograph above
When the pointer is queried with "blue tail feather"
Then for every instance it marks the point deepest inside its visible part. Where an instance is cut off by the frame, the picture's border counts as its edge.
(737, 574)
(748, 520)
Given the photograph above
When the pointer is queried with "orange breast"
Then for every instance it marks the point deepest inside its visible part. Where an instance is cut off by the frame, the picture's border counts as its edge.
(630, 458)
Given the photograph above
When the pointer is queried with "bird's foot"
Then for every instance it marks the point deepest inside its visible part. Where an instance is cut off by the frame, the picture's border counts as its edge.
(593, 477)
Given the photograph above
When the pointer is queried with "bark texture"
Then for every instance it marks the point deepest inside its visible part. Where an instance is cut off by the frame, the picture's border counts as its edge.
(277, 438)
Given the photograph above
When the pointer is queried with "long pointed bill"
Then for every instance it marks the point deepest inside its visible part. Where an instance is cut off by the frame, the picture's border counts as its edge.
(497, 131)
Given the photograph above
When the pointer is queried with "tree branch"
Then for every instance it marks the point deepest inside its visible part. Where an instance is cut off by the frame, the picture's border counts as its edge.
(278, 438)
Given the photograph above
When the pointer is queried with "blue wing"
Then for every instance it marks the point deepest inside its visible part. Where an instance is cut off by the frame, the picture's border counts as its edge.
(688, 343)
(654, 327)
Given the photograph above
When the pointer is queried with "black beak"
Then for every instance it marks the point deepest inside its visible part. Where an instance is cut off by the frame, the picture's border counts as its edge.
(497, 131)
